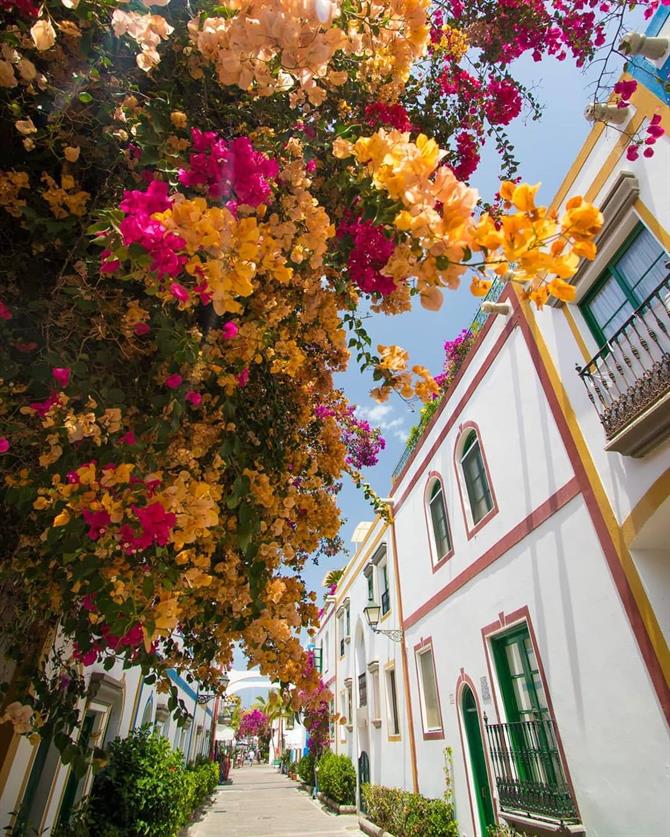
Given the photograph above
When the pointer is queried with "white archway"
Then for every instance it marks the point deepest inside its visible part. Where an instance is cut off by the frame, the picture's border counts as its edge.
(240, 680)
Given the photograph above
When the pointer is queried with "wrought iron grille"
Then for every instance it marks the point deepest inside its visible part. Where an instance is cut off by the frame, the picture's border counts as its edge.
(529, 771)
(386, 602)
(362, 690)
(632, 370)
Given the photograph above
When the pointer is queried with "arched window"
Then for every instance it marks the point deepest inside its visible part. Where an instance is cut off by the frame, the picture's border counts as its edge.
(439, 521)
(476, 478)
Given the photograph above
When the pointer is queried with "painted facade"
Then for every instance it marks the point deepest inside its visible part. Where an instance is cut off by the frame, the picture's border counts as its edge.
(528, 562)
(34, 780)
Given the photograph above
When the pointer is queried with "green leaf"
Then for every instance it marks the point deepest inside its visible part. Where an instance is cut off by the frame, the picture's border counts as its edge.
(86, 98)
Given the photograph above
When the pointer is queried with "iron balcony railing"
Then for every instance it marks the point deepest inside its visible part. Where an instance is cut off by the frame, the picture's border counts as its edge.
(386, 602)
(632, 370)
(362, 690)
(528, 770)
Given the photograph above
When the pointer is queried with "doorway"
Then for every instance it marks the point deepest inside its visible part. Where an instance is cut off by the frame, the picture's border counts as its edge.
(478, 772)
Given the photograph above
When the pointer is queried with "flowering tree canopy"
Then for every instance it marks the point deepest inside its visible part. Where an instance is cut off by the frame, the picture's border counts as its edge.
(253, 722)
(195, 200)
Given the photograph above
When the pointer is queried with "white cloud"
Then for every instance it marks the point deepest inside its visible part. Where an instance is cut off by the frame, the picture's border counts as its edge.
(381, 415)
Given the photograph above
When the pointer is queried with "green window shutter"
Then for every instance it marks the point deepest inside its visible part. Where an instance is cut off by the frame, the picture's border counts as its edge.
(636, 270)
(438, 517)
(476, 480)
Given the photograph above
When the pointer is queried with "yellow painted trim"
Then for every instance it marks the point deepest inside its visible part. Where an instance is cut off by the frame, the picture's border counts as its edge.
(393, 738)
(364, 557)
(646, 104)
(655, 495)
(653, 223)
(576, 333)
(386, 615)
(576, 167)
(647, 614)
(614, 156)
(405, 665)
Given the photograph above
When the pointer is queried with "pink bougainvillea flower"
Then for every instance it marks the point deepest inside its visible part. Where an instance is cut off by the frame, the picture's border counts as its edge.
(243, 377)
(5, 313)
(43, 407)
(194, 398)
(4, 444)
(25, 348)
(85, 657)
(98, 521)
(156, 525)
(141, 329)
(179, 292)
(61, 375)
(173, 381)
(110, 266)
(310, 166)
(230, 330)
(128, 438)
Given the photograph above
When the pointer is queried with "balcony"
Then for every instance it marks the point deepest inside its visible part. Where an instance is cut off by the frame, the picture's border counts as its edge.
(386, 602)
(529, 772)
(628, 380)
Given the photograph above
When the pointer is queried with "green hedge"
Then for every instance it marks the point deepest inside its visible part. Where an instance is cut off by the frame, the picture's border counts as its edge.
(406, 814)
(144, 790)
(305, 769)
(337, 778)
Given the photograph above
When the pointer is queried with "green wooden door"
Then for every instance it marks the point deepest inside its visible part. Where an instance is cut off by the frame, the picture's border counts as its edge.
(477, 761)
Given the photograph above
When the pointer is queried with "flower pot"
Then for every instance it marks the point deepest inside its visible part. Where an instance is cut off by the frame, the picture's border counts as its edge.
(633, 43)
(603, 112)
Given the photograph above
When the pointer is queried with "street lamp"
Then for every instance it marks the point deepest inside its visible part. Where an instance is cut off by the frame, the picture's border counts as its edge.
(224, 680)
(372, 613)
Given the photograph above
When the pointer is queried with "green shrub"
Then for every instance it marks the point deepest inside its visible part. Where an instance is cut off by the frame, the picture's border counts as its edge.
(337, 778)
(305, 769)
(143, 790)
(406, 814)
(205, 777)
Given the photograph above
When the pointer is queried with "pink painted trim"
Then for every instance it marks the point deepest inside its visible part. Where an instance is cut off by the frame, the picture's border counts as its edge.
(477, 377)
(433, 734)
(501, 626)
(652, 662)
(464, 679)
(435, 565)
(493, 511)
(536, 518)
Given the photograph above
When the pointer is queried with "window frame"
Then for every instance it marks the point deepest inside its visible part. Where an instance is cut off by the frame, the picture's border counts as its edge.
(384, 587)
(437, 561)
(608, 272)
(429, 733)
(392, 708)
(465, 432)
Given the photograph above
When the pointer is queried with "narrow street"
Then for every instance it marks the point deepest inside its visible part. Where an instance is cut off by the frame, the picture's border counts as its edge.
(263, 803)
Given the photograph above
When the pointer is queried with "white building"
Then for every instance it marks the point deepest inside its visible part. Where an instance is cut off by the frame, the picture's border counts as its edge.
(34, 780)
(528, 563)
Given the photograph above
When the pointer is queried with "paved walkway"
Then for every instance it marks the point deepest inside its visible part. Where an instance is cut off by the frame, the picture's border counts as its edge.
(263, 803)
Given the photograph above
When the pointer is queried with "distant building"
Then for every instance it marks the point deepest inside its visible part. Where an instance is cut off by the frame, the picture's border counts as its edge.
(528, 563)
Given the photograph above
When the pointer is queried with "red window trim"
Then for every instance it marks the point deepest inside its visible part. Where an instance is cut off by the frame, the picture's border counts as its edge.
(460, 476)
(433, 734)
(503, 623)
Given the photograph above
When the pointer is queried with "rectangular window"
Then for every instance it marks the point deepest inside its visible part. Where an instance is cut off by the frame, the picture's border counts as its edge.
(438, 517)
(347, 619)
(331, 720)
(392, 703)
(363, 689)
(519, 676)
(634, 273)
(350, 713)
(324, 652)
(371, 587)
(340, 633)
(384, 583)
(432, 719)
(374, 681)
(343, 714)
